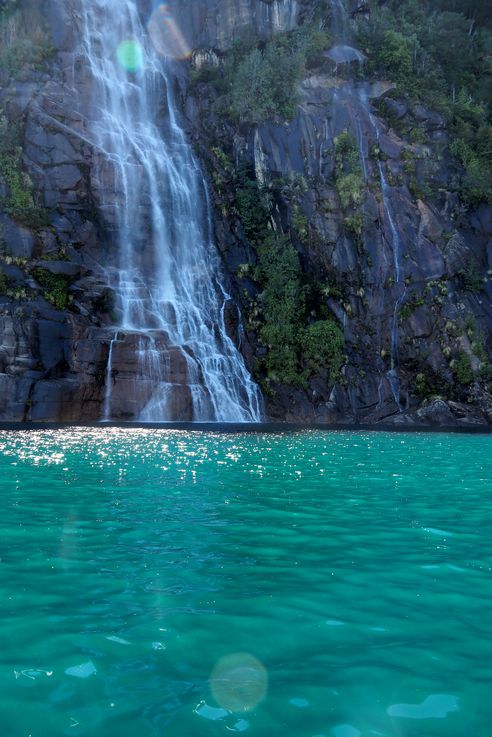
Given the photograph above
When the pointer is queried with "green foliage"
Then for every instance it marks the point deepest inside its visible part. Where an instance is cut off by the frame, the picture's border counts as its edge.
(257, 80)
(9, 288)
(472, 146)
(300, 223)
(4, 283)
(22, 44)
(349, 188)
(486, 373)
(409, 308)
(348, 175)
(243, 271)
(322, 344)
(440, 53)
(472, 278)
(252, 206)
(428, 385)
(55, 287)
(264, 84)
(19, 202)
(396, 58)
(224, 160)
(462, 369)
(294, 350)
(420, 190)
(355, 225)
(282, 301)
(346, 150)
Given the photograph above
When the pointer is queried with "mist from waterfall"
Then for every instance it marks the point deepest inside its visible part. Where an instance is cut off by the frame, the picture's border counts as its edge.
(170, 301)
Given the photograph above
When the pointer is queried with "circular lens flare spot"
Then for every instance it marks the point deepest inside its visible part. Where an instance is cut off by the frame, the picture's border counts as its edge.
(239, 682)
(130, 55)
(166, 35)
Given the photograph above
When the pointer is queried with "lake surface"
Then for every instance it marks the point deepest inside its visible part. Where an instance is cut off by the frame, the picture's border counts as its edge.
(183, 584)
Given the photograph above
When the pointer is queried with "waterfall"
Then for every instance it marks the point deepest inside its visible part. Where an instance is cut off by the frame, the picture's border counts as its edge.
(354, 99)
(109, 380)
(177, 360)
(395, 243)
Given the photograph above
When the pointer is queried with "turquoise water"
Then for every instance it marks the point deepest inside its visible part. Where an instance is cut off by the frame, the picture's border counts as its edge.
(180, 584)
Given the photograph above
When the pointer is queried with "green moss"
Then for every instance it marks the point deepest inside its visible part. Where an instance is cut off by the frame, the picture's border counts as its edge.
(424, 386)
(55, 287)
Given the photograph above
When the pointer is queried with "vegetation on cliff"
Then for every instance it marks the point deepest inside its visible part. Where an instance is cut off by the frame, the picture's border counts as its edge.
(257, 79)
(18, 202)
(23, 41)
(299, 341)
(317, 251)
(441, 53)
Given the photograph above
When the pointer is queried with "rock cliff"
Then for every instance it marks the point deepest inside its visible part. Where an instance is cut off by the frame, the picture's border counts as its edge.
(357, 178)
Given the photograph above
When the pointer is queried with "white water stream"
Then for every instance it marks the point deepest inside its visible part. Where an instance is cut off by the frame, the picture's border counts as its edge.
(167, 277)
(354, 97)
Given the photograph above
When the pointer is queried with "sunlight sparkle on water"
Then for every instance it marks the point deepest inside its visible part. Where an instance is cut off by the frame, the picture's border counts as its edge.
(140, 557)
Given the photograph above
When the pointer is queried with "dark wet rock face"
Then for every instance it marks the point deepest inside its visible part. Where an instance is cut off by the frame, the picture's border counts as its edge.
(216, 23)
(397, 264)
(57, 316)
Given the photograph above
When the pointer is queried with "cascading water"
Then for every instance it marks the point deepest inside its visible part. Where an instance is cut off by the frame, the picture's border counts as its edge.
(355, 100)
(393, 373)
(170, 304)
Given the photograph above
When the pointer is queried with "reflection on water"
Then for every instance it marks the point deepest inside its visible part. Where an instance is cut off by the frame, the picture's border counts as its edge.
(159, 582)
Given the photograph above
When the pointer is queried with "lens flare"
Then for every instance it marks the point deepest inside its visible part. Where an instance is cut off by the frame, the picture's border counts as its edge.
(130, 55)
(165, 34)
(238, 682)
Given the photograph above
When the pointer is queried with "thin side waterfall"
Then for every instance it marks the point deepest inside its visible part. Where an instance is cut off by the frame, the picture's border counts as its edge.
(393, 373)
(355, 99)
(109, 380)
(170, 349)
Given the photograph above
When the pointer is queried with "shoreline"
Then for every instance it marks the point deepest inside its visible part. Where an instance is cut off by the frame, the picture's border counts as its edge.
(262, 427)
